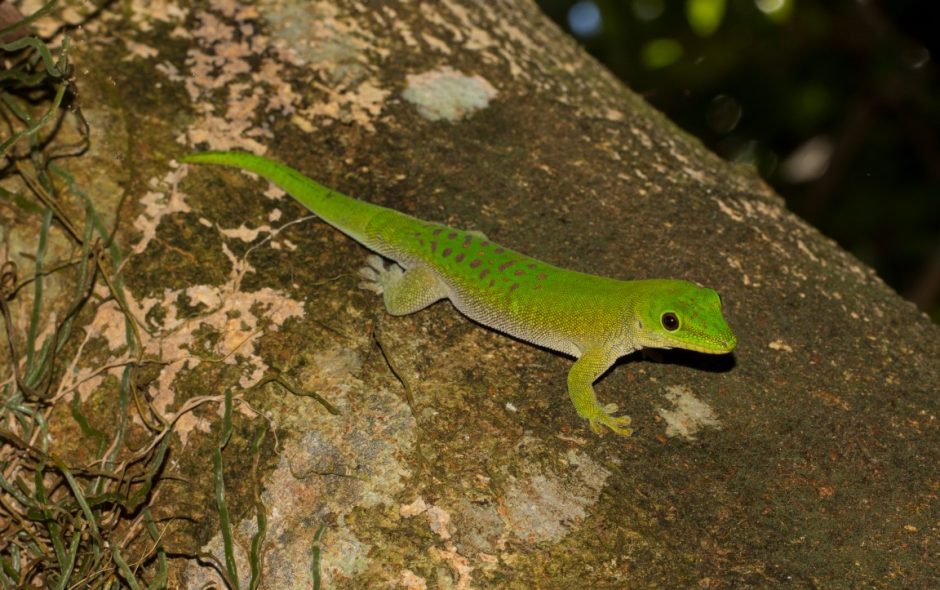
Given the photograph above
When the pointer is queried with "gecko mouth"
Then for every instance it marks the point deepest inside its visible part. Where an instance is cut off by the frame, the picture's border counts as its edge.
(723, 346)
(727, 345)
(706, 343)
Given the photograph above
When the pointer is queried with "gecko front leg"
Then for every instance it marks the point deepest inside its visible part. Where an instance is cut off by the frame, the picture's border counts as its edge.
(581, 378)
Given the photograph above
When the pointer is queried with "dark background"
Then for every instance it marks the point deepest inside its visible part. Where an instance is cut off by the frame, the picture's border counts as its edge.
(834, 102)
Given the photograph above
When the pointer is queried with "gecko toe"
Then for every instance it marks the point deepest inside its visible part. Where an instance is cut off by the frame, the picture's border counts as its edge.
(371, 286)
(618, 424)
(368, 273)
(376, 262)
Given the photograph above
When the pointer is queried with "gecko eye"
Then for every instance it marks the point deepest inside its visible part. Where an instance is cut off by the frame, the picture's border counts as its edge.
(670, 321)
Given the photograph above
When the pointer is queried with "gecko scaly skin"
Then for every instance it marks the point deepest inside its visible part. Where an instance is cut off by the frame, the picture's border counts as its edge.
(594, 319)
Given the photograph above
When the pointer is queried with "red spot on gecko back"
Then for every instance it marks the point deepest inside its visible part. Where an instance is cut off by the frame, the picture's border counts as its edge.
(459, 257)
(446, 252)
(484, 272)
(475, 263)
(519, 272)
(466, 241)
(438, 231)
(506, 265)
(513, 287)
(433, 246)
(452, 235)
(541, 276)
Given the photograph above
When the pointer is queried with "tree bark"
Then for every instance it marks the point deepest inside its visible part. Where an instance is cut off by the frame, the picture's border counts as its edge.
(809, 458)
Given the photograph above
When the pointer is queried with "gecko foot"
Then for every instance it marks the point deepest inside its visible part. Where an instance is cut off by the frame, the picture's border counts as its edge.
(377, 277)
(604, 417)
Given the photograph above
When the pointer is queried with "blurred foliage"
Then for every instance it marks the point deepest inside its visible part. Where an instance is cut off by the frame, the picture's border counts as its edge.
(80, 470)
(64, 523)
(86, 518)
(835, 103)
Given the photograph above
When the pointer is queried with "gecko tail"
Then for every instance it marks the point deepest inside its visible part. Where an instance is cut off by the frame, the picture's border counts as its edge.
(350, 216)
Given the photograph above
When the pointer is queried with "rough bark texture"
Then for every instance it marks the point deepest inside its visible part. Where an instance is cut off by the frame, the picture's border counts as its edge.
(808, 459)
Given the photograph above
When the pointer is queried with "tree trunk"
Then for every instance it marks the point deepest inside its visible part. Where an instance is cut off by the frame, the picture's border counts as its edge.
(456, 460)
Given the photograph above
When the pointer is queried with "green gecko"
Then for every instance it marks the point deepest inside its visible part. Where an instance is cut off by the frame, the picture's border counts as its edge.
(592, 318)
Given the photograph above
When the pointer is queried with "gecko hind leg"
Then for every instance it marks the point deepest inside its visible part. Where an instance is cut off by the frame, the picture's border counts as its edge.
(404, 291)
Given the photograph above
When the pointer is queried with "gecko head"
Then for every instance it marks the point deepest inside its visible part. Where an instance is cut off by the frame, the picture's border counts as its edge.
(680, 314)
